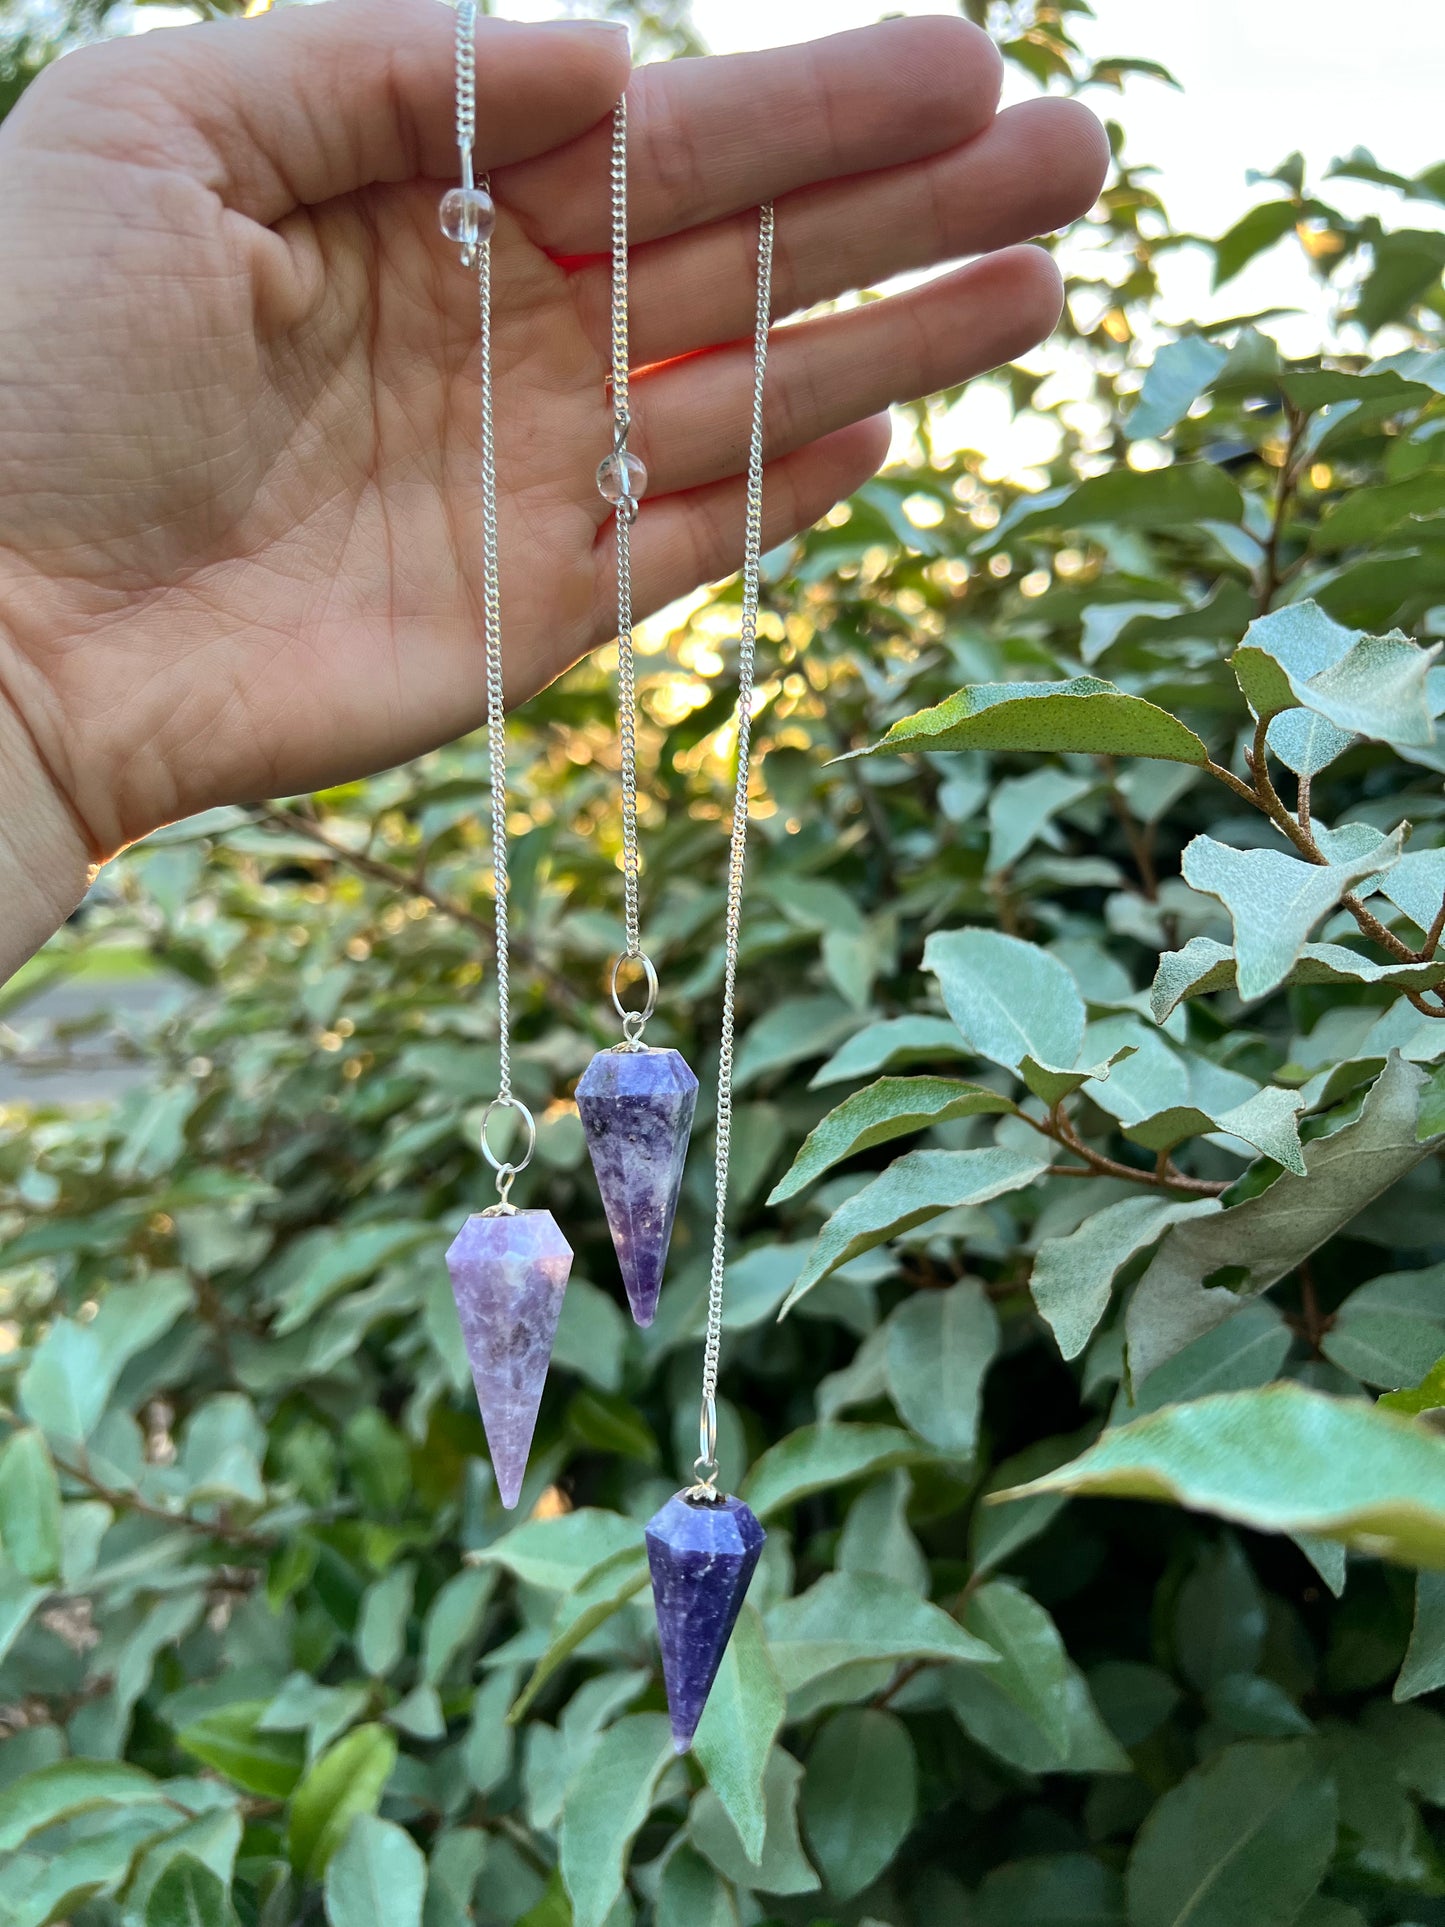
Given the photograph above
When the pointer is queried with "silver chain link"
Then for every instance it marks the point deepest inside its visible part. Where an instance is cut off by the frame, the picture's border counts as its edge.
(627, 512)
(706, 1466)
(481, 257)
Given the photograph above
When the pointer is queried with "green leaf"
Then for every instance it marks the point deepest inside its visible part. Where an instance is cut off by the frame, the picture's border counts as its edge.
(1284, 1459)
(819, 1456)
(860, 1797)
(852, 1616)
(1407, 266)
(1376, 688)
(555, 1553)
(940, 1345)
(64, 1388)
(893, 1107)
(385, 1615)
(454, 1618)
(790, 1033)
(233, 1741)
(348, 1779)
(1179, 375)
(604, 1810)
(1416, 1400)
(30, 1507)
(915, 1188)
(376, 1877)
(1257, 1242)
(691, 1893)
(1055, 1890)
(1274, 901)
(66, 1790)
(1392, 1331)
(1022, 808)
(1247, 1836)
(1368, 516)
(321, 1264)
(1269, 1121)
(1203, 966)
(896, 1042)
(1084, 715)
(782, 1867)
(1032, 1709)
(1424, 1667)
(1124, 498)
(1010, 1000)
(1246, 1350)
(1073, 1276)
(595, 1599)
(1261, 228)
(741, 1721)
(189, 1894)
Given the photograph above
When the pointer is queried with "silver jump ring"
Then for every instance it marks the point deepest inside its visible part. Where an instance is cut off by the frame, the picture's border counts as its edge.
(507, 1168)
(639, 1017)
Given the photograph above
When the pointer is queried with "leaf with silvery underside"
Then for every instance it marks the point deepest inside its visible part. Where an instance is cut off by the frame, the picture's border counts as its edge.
(377, 1877)
(1269, 1121)
(1010, 999)
(890, 1045)
(1274, 901)
(920, 1186)
(1259, 1241)
(1376, 689)
(1204, 966)
(1177, 377)
(605, 1807)
(1279, 1460)
(893, 1107)
(1051, 1083)
(1391, 1331)
(1246, 1352)
(1073, 1276)
(1021, 810)
(1084, 715)
(1416, 885)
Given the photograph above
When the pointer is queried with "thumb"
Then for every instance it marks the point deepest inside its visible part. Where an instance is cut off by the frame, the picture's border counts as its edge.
(310, 102)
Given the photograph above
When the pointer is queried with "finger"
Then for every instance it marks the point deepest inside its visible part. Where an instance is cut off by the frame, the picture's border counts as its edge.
(698, 536)
(692, 416)
(708, 138)
(1035, 168)
(313, 102)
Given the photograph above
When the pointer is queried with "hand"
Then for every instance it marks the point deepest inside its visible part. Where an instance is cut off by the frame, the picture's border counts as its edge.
(238, 501)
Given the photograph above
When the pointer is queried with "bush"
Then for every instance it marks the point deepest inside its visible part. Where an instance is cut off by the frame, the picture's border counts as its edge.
(1119, 920)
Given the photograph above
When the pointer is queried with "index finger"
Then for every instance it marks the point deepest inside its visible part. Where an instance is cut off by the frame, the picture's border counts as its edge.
(710, 137)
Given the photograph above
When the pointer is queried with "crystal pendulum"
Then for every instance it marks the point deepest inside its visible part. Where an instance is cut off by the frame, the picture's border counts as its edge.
(703, 1546)
(508, 1267)
(636, 1103)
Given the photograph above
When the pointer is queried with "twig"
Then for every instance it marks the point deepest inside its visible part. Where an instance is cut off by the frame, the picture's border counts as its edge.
(133, 1502)
(1271, 575)
(1134, 834)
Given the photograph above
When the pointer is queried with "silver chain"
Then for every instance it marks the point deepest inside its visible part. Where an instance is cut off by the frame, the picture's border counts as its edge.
(706, 1466)
(480, 256)
(633, 1021)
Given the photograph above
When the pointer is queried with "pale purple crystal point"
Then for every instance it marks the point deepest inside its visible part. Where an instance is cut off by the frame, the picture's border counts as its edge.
(637, 1108)
(702, 1558)
(508, 1273)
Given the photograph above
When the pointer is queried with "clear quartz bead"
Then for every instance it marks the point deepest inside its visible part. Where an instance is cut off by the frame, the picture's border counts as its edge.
(621, 475)
(468, 215)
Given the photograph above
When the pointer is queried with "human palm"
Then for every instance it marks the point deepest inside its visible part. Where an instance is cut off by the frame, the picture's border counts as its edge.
(239, 514)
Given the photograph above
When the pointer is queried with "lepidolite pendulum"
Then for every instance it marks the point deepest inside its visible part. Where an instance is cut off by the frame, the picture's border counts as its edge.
(509, 1270)
(703, 1546)
(636, 1106)
(508, 1266)
(636, 1103)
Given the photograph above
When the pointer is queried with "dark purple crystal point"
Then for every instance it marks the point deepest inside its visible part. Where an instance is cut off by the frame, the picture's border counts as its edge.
(637, 1108)
(508, 1276)
(702, 1558)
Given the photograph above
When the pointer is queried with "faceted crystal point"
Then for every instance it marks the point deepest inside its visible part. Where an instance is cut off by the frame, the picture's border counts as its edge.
(508, 1276)
(637, 1108)
(702, 1558)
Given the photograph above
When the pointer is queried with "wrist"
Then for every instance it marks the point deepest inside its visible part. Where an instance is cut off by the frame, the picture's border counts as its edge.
(45, 867)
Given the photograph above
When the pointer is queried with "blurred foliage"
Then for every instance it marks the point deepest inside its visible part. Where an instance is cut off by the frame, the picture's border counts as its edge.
(1121, 940)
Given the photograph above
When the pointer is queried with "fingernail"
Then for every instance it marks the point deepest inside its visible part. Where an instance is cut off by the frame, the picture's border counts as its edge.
(588, 26)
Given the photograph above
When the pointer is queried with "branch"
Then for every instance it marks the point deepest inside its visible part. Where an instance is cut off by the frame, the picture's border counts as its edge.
(121, 1501)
